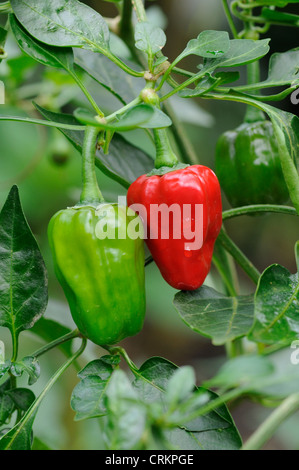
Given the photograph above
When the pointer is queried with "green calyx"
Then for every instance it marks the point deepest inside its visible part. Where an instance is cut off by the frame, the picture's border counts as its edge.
(166, 169)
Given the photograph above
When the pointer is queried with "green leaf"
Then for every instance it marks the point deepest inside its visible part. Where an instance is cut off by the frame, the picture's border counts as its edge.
(124, 163)
(208, 83)
(214, 315)
(7, 404)
(274, 376)
(20, 436)
(28, 364)
(151, 382)
(109, 75)
(283, 70)
(284, 381)
(127, 414)
(4, 368)
(22, 398)
(3, 35)
(153, 377)
(227, 77)
(276, 307)
(241, 52)
(39, 445)
(102, 367)
(60, 23)
(87, 399)
(210, 44)
(286, 130)
(180, 385)
(24, 292)
(140, 116)
(58, 57)
(241, 372)
(149, 38)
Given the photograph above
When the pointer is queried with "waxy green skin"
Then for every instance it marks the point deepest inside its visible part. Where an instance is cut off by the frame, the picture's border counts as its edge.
(248, 166)
(103, 279)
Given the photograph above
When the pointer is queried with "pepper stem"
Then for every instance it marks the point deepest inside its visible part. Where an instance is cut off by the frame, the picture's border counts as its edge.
(91, 193)
(165, 156)
(253, 76)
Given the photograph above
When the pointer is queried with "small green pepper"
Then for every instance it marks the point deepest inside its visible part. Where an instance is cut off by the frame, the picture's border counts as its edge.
(248, 165)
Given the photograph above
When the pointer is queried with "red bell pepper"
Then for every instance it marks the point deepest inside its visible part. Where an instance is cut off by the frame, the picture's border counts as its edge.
(195, 191)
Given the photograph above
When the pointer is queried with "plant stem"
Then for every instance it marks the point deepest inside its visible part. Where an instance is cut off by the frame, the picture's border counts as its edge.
(255, 209)
(230, 19)
(139, 10)
(213, 404)
(122, 65)
(164, 153)
(41, 122)
(253, 76)
(124, 354)
(126, 30)
(234, 348)
(187, 151)
(228, 284)
(276, 97)
(15, 346)
(183, 85)
(185, 73)
(239, 256)
(86, 93)
(270, 425)
(91, 193)
(57, 342)
(124, 109)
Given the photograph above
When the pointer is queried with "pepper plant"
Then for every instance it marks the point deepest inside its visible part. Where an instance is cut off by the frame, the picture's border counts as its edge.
(156, 405)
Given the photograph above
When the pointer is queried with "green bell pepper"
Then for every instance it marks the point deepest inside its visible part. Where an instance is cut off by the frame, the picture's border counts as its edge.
(248, 166)
(102, 278)
(98, 259)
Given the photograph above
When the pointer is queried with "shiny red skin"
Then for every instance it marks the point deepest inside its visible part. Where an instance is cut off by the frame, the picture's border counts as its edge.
(195, 184)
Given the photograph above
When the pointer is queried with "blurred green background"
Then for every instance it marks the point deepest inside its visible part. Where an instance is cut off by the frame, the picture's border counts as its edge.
(47, 170)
